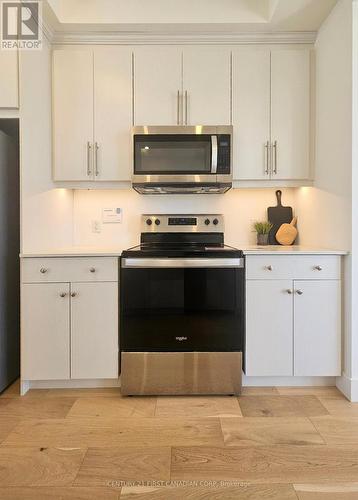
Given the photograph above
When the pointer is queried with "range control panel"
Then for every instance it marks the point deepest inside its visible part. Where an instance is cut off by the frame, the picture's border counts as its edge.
(173, 223)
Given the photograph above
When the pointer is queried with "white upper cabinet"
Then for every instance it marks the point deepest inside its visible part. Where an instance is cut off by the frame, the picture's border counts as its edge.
(92, 114)
(271, 114)
(112, 114)
(73, 115)
(157, 85)
(290, 134)
(9, 80)
(251, 113)
(206, 86)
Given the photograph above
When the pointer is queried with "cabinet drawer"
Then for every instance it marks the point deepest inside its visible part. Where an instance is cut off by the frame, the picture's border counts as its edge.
(326, 267)
(293, 267)
(66, 269)
(271, 267)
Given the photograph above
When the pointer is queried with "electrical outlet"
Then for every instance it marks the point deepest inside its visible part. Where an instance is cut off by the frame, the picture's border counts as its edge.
(96, 226)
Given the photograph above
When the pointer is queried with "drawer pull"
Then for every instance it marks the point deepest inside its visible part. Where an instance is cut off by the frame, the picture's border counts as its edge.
(318, 268)
(269, 268)
(73, 294)
(92, 270)
(289, 291)
(299, 292)
(63, 294)
(43, 270)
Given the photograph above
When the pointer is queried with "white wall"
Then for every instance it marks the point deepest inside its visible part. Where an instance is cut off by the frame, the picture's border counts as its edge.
(240, 207)
(325, 211)
(46, 212)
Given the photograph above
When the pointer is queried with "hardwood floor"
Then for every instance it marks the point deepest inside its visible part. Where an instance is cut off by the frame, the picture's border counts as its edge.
(271, 443)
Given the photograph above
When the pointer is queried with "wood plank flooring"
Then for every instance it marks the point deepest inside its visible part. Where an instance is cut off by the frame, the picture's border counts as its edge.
(272, 443)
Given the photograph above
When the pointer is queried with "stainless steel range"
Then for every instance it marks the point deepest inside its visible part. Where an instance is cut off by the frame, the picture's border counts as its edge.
(182, 324)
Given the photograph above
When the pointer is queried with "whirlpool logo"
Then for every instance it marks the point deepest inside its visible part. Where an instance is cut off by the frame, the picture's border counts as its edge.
(181, 339)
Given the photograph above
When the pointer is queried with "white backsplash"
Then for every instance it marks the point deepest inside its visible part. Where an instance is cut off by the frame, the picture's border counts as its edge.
(240, 207)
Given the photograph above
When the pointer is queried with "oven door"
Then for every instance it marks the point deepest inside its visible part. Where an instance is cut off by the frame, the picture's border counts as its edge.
(187, 305)
(175, 157)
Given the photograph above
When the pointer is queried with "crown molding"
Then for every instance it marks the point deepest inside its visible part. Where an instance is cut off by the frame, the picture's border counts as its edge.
(153, 38)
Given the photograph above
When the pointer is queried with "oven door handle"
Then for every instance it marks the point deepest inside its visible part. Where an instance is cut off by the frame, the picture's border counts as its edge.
(182, 263)
(214, 153)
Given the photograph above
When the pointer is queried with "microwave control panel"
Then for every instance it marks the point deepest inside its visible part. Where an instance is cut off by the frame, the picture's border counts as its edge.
(224, 154)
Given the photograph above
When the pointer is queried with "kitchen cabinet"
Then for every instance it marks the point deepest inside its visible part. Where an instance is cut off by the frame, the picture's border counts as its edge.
(290, 114)
(271, 114)
(251, 113)
(269, 340)
(206, 86)
(45, 326)
(157, 85)
(70, 325)
(182, 86)
(94, 311)
(9, 81)
(293, 325)
(92, 114)
(316, 323)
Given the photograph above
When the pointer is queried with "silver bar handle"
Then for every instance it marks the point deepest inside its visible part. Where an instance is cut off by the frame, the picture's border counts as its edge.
(178, 107)
(214, 154)
(183, 263)
(267, 147)
(275, 157)
(186, 107)
(96, 148)
(89, 150)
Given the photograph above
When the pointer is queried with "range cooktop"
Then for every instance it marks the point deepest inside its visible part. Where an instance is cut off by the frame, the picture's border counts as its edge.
(182, 236)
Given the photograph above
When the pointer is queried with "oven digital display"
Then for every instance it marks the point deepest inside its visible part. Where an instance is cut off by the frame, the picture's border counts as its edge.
(182, 221)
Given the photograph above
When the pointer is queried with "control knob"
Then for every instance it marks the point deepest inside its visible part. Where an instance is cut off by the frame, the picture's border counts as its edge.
(149, 222)
(207, 222)
(215, 222)
(157, 222)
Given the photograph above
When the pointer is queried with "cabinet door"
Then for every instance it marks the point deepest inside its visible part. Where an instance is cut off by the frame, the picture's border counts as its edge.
(157, 81)
(45, 326)
(251, 113)
(317, 328)
(206, 86)
(72, 115)
(290, 108)
(269, 336)
(9, 81)
(112, 114)
(94, 330)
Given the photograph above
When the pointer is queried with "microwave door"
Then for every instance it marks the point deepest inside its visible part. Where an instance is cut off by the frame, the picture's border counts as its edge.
(214, 154)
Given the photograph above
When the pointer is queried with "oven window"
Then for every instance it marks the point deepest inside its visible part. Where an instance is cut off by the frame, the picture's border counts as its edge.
(182, 309)
(172, 154)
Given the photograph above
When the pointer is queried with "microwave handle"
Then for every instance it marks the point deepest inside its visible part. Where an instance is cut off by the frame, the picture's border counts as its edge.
(214, 153)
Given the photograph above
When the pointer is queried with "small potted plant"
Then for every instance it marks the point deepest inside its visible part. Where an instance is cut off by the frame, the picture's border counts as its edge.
(262, 229)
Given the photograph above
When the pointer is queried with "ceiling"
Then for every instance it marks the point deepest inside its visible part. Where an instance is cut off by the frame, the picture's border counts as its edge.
(239, 15)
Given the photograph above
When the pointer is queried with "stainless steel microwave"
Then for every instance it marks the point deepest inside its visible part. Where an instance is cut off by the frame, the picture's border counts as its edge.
(182, 159)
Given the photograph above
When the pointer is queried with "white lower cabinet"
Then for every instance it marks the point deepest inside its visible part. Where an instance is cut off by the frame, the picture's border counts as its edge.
(269, 341)
(317, 327)
(293, 326)
(45, 327)
(94, 327)
(69, 330)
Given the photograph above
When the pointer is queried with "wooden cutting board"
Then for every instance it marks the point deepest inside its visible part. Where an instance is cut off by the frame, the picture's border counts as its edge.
(287, 233)
(277, 216)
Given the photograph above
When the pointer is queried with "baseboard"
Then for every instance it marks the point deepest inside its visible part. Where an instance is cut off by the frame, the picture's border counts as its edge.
(349, 387)
(287, 381)
(67, 384)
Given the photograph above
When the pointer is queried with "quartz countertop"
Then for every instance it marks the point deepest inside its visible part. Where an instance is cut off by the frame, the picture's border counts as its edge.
(81, 251)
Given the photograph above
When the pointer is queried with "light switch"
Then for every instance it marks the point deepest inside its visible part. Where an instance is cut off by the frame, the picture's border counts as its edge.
(110, 215)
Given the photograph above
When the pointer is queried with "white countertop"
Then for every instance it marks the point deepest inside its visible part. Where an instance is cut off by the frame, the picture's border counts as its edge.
(247, 249)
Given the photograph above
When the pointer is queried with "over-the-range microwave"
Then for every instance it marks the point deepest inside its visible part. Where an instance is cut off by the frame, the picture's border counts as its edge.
(182, 159)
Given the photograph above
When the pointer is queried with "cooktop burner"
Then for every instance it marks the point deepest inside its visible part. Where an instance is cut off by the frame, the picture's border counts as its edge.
(182, 236)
